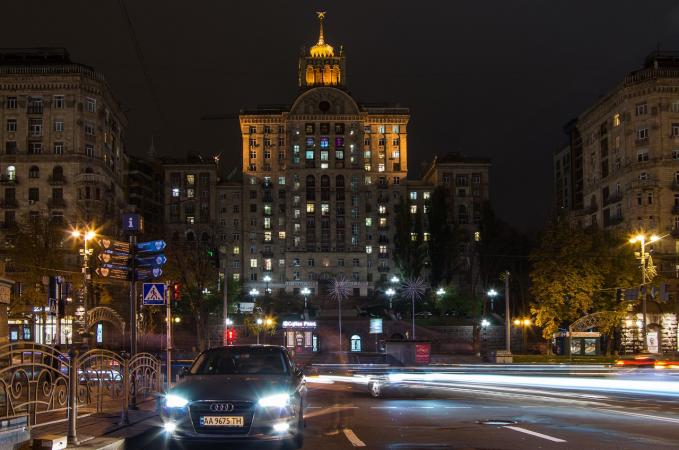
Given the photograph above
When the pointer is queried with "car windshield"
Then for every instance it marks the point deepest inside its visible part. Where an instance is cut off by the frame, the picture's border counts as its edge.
(241, 361)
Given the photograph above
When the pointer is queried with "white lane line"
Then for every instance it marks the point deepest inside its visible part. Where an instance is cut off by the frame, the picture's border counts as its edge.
(383, 407)
(355, 441)
(644, 416)
(457, 407)
(534, 433)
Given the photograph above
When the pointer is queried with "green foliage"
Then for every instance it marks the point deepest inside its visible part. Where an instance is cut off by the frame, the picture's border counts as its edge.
(409, 254)
(575, 272)
(443, 251)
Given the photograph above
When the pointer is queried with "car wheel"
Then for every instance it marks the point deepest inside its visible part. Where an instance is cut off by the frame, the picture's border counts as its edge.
(375, 389)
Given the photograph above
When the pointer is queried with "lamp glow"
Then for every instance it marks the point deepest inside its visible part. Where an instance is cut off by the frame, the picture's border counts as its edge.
(175, 401)
(275, 401)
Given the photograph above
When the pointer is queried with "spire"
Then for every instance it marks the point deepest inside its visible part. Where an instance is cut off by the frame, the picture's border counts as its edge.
(321, 16)
(151, 153)
(321, 49)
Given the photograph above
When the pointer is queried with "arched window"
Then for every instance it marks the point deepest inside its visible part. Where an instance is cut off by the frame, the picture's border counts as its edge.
(339, 181)
(57, 173)
(190, 236)
(355, 343)
(34, 172)
(205, 237)
(310, 187)
(11, 173)
(310, 181)
(325, 188)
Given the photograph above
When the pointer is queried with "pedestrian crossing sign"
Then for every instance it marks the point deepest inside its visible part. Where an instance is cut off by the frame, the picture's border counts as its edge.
(153, 294)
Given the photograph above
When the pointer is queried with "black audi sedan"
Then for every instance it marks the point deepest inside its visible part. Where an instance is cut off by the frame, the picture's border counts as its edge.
(238, 393)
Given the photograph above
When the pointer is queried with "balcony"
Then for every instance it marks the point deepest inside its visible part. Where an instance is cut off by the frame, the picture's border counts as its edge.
(56, 181)
(92, 178)
(7, 179)
(9, 203)
(613, 198)
(34, 109)
(56, 203)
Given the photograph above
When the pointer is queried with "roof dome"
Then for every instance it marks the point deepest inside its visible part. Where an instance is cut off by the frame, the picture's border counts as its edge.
(321, 49)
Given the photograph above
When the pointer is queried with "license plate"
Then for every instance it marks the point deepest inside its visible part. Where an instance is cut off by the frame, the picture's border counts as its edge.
(221, 421)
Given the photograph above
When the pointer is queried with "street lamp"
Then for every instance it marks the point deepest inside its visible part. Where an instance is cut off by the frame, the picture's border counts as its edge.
(390, 293)
(254, 293)
(259, 327)
(305, 292)
(267, 279)
(85, 252)
(647, 274)
(524, 323)
(440, 292)
(492, 293)
(394, 279)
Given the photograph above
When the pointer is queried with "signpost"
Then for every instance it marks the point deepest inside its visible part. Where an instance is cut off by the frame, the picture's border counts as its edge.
(153, 294)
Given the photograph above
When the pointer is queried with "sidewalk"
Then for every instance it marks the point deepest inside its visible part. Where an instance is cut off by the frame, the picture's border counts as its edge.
(103, 430)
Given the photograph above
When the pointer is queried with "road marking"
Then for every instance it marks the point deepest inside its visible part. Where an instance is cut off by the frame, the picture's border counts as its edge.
(383, 407)
(314, 407)
(457, 407)
(355, 441)
(534, 433)
(644, 416)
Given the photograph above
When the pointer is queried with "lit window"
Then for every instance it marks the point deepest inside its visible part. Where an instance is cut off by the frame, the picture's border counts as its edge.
(642, 133)
(310, 207)
(368, 221)
(395, 129)
(368, 249)
(281, 180)
(395, 154)
(267, 223)
(616, 120)
(175, 192)
(236, 276)
(413, 237)
(426, 195)
(368, 180)
(413, 209)
(413, 195)
(296, 213)
(281, 262)
(325, 142)
(383, 249)
(190, 193)
(367, 167)
(382, 209)
(267, 264)
(324, 155)
(367, 154)
(427, 237)
(236, 250)
(309, 154)
(253, 263)
(380, 167)
(383, 221)
(190, 179)
(281, 235)
(477, 236)
(267, 236)
(325, 209)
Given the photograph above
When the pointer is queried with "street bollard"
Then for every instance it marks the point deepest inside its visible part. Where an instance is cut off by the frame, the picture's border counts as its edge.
(125, 369)
(73, 396)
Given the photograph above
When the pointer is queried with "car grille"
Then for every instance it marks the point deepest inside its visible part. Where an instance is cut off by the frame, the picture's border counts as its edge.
(241, 408)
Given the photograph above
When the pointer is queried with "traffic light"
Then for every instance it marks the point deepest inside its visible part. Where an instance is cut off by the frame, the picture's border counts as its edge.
(213, 257)
(176, 289)
(230, 336)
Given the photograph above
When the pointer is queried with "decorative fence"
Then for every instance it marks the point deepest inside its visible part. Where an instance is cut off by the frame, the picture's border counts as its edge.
(43, 384)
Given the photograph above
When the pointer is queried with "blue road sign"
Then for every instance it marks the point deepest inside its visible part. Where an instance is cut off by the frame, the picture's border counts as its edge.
(154, 294)
(153, 261)
(133, 223)
(151, 246)
(114, 266)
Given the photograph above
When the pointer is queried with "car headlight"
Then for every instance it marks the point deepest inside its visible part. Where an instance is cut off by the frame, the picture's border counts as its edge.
(175, 401)
(277, 400)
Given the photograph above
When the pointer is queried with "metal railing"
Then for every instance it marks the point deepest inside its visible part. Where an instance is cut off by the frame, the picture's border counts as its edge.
(43, 384)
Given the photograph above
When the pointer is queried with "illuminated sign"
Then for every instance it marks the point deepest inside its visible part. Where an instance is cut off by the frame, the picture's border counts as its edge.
(298, 324)
(100, 333)
(376, 326)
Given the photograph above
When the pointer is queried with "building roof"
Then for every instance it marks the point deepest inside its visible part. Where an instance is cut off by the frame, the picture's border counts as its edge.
(457, 157)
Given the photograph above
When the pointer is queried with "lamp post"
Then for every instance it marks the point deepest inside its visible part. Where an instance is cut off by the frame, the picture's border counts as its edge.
(85, 252)
(484, 325)
(259, 327)
(492, 293)
(390, 293)
(267, 279)
(305, 292)
(647, 274)
(524, 324)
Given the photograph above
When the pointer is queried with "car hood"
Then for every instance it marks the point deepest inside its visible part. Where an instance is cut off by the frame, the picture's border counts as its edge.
(231, 387)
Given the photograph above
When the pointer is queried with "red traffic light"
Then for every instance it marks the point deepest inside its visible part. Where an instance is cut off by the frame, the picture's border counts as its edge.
(230, 337)
(176, 291)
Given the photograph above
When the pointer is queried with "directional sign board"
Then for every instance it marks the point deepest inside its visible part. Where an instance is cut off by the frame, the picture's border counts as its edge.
(151, 246)
(154, 294)
(151, 261)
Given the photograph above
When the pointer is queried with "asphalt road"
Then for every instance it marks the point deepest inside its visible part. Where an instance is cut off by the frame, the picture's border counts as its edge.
(341, 415)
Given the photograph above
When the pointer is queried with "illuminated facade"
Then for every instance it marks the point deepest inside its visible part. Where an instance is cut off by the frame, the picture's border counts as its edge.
(322, 178)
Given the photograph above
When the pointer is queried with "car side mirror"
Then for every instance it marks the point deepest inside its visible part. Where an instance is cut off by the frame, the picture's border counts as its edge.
(184, 371)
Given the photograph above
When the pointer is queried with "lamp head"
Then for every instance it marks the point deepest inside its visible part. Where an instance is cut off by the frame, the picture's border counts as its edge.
(90, 235)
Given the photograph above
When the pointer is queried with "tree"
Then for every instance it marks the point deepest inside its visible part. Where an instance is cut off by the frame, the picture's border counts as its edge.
(575, 271)
(410, 250)
(443, 241)
(191, 265)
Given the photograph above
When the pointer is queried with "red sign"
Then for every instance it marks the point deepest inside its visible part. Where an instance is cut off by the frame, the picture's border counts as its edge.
(423, 353)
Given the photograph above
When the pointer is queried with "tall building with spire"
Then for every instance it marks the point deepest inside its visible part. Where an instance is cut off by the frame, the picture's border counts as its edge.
(322, 178)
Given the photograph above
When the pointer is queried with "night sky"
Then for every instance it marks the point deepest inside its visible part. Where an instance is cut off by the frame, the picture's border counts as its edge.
(487, 78)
